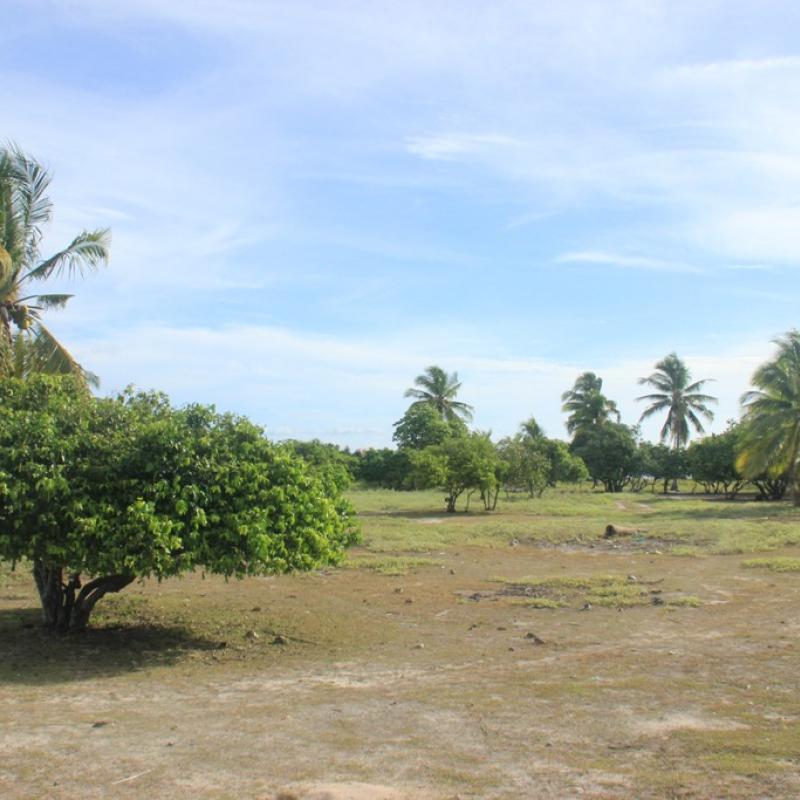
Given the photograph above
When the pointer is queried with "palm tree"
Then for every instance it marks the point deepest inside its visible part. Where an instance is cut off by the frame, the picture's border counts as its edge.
(586, 404)
(771, 440)
(439, 390)
(531, 429)
(682, 400)
(24, 209)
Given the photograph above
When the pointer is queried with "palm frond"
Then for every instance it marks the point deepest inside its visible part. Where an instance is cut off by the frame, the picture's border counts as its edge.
(43, 301)
(87, 251)
(657, 380)
(653, 409)
(692, 417)
(693, 387)
(31, 207)
(55, 358)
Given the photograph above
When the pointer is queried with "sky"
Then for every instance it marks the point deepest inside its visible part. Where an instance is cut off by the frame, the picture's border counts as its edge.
(311, 202)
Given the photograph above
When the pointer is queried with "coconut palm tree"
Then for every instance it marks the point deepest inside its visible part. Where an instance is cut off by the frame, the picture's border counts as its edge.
(438, 389)
(531, 429)
(24, 209)
(683, 401)
(586, 404)
(771, 438)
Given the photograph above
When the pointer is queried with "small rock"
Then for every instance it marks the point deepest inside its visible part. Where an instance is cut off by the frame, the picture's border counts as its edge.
(452, 572)
(534, 638)
(256, 608)
(398, 590)
(633, 579)
(100, 723)
(418, 646)
(658, 601)
(252, 635)
(500, 628)
(513, 543)
(586, 607)
(280, 639)
(409, 600)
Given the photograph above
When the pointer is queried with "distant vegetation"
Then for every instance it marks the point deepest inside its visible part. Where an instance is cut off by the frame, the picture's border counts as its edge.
(435, 448)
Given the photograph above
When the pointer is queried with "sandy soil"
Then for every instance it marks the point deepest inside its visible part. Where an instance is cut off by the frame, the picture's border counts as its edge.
(402, 687)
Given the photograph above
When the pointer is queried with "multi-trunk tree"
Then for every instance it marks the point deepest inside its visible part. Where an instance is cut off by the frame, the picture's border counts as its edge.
(96, 493)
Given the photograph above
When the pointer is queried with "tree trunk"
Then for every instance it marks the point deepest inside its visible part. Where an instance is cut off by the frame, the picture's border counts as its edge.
(62, 610)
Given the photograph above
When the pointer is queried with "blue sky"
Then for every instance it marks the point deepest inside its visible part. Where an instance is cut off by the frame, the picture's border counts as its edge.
(311, 202)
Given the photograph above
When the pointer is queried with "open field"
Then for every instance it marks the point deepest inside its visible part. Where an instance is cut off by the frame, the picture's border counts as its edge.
(516, 654)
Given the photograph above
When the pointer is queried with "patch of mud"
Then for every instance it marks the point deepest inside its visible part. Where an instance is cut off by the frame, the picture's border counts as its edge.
(350, 791)
(683, 721)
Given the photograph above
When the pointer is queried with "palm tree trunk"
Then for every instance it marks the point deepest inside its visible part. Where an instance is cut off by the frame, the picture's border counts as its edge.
(794, 483)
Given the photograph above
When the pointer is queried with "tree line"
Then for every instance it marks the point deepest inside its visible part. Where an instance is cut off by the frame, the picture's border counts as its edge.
(436, 449)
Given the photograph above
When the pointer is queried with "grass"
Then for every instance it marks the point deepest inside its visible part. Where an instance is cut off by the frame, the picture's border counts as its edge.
(399, 565)
(781, 564)
(613, 591)
(415, 522)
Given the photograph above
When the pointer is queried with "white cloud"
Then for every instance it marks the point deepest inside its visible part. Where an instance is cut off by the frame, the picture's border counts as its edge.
(625, 261)
(756, 233)
(449, 147)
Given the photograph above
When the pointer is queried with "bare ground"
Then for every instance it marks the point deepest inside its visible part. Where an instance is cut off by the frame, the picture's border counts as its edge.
(357, 685)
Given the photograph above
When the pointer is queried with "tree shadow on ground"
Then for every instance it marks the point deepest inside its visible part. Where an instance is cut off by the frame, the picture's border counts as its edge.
(35, 656)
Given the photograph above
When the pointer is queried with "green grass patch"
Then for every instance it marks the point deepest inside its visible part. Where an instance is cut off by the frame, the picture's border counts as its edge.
(740, 752)
(687, 601)
(561, 591)
(568, 581)
(397, 565)
(411, 522)
(778, 564)
(618, 594)
(539, 602)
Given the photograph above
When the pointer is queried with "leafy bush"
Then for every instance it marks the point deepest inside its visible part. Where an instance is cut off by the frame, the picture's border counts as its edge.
(131, 487)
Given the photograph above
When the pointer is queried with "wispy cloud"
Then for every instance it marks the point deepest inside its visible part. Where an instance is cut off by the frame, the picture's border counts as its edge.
(626, 262)
(732, 69)
(449, 147)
